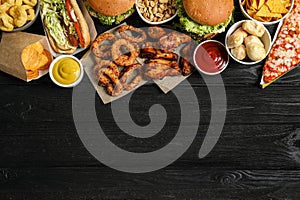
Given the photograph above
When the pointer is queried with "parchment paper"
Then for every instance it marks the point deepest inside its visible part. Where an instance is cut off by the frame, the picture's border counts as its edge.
(166, 84)
(169, 83)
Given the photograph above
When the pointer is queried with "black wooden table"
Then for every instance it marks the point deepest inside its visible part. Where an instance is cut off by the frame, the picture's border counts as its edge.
(256, 157)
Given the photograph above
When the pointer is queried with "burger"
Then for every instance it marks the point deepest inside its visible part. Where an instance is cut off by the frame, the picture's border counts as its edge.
(65, 25)
(204, 19)
(110, 11)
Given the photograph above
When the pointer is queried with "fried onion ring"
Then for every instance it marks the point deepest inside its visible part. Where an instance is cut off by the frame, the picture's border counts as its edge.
(106, 72)
(107, 75)
(99, 65)
(114, 89)
(141, 34)
(123, 59)
(100, 51)
(105, 54)
(128, 72)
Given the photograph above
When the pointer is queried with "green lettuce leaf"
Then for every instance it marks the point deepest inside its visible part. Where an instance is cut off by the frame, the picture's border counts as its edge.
(188, 25)
(53, 13)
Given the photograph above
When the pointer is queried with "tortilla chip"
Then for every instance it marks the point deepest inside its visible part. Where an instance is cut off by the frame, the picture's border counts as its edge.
(276, 6)
(263, 11)
(260, 3)
(253, 4)
(267, 10)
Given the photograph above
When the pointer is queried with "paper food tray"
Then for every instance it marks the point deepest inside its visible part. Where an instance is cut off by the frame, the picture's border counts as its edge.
(90, 23)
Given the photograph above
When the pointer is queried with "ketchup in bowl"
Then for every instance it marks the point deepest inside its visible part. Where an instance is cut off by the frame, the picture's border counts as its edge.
(211, 57)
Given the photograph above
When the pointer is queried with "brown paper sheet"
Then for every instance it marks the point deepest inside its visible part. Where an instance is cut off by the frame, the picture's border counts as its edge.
(11, 47)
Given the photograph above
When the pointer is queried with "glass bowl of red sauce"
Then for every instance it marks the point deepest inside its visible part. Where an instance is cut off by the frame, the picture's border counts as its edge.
(211, 57)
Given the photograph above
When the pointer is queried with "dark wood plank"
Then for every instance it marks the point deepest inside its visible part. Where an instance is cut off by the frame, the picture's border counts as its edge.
(239, 147)
(99, 183)
(250, 105)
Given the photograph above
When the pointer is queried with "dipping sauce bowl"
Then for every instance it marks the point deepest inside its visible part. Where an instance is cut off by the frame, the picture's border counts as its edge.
(210, 57)
(66, 71)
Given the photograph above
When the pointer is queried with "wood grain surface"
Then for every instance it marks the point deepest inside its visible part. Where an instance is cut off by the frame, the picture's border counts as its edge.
(256, 157)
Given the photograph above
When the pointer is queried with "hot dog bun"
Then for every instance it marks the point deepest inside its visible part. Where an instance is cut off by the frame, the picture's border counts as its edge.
(65, 26)
(82, 22)
(57, 48)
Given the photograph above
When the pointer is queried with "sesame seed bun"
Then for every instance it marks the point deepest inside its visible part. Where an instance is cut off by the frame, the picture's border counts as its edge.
(111, 7)
(208, 12)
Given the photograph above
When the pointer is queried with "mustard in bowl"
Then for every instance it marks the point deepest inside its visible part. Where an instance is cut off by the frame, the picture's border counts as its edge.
(66, 71)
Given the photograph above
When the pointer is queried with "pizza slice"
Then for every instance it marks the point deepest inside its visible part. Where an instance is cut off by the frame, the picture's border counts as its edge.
(285, 52)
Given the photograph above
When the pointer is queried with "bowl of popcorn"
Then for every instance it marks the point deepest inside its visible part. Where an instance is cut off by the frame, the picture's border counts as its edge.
(156, 12)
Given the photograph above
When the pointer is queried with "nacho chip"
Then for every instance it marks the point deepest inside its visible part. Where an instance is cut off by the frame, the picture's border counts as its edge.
(253, 4)
(276, 6)
(260, 4)
(286, 3)
(251, 12)
(267, 10)
(264, 19)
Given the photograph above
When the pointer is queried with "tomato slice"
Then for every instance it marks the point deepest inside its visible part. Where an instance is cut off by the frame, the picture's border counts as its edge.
(76, 24)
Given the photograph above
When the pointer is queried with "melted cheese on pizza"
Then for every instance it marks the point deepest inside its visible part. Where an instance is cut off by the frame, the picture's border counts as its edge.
(285, 52)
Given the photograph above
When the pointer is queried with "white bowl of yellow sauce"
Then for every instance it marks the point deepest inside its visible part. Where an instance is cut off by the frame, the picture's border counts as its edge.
(66, 71)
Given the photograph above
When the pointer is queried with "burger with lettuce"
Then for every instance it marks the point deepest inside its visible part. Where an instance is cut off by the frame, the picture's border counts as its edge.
(110, 11)
(203, 19)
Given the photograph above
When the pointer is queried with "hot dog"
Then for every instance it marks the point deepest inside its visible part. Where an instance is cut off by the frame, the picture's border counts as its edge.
(65, 25)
